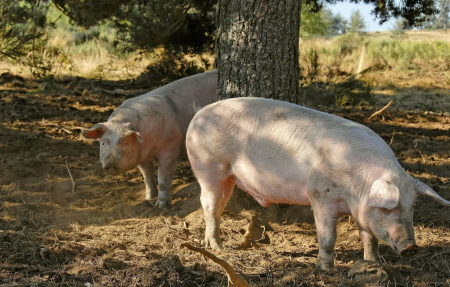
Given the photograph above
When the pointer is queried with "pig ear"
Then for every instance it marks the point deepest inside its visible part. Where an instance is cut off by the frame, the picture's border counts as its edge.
(128, 129)
(94, 132)
(383, 194)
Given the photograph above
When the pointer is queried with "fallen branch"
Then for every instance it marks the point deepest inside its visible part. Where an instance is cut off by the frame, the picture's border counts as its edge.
(233, 277)
(74, 184)
(380, 111)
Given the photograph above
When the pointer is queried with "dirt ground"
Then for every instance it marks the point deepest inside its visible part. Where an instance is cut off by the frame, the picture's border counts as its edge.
(105, 234)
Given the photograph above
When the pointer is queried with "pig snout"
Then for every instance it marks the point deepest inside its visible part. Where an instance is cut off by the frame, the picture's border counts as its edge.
(409, 251)
(111, 168)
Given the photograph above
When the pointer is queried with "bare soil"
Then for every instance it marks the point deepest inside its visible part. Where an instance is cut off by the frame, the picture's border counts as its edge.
(105, 234)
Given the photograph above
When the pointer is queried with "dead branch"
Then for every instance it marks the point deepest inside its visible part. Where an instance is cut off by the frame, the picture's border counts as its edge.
(74, 184)
(233, 277)
(380, 111)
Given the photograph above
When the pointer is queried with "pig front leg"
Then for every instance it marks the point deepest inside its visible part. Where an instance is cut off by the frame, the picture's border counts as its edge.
(148, 171)
(326, 234)
(370, 246)
(166, 170)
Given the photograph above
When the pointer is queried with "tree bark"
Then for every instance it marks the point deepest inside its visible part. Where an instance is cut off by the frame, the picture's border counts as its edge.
(257, 48)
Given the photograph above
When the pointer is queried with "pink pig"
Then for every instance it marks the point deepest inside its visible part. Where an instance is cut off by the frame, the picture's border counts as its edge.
(283, 153)
(153, 127)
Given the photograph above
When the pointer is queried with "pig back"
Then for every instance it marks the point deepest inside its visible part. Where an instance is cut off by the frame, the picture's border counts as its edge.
(180, 95)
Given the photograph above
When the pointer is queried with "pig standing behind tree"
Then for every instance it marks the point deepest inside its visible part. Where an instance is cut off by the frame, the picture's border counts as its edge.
(153, 127)
(284, 153)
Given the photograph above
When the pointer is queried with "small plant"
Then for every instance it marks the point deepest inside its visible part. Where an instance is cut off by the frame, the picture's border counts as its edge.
(311, 64)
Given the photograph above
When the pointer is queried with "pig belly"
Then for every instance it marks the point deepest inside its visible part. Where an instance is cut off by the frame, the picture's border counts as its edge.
(267, 188)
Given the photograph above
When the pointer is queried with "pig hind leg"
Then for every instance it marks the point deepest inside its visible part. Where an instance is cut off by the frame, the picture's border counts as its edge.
(214, 197)
(148, 171)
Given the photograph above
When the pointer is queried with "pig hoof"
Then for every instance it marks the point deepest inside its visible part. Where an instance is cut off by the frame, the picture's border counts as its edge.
(149, 196)
(215, 245)
(162, 203)
(324, 264)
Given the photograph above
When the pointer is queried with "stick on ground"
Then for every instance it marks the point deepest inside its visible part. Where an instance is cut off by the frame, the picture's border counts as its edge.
(233, 277)
(74, 184)
(380, 111)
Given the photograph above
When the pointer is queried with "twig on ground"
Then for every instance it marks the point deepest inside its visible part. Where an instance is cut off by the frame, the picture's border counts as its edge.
(432, 257)
(380, 111)
(65, 128)
(74, 184)
(349, 225)
(37, 110)
(421, 154)
(392, 139)
(233, 277)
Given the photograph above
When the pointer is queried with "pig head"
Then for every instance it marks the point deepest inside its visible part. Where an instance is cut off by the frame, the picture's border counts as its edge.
(119, 146)
(386, 213)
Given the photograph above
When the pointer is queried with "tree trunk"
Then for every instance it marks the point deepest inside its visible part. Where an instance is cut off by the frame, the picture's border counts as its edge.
(257, 48)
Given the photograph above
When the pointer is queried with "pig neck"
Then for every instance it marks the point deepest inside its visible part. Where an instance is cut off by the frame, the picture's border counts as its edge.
(147, 147)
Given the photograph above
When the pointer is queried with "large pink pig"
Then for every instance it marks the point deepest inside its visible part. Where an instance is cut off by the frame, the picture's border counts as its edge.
(153, 127)
(283, 153)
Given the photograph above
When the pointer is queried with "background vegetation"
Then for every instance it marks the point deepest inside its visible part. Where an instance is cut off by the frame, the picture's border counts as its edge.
(55, 39)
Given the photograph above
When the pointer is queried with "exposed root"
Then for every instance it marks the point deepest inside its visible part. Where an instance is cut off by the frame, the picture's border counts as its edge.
(263, 234)
(246, 243)
(233, 277)
(380, 111)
